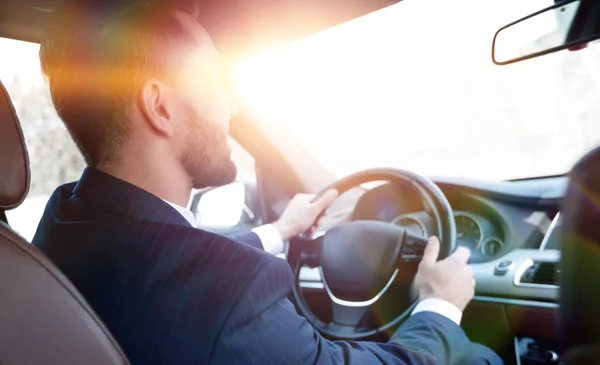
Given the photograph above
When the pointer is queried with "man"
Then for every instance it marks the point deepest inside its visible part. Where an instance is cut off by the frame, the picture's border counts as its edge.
(140, 94)
(298, 217)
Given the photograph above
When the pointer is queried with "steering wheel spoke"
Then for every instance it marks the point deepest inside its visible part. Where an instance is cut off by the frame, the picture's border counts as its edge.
(413, 247)
(305, 251)
(343, 316)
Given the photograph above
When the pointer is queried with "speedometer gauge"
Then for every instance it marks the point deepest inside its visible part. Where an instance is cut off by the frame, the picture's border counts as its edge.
(468, 232)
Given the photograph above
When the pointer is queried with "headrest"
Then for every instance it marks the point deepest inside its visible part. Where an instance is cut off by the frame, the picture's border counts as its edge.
(14, 161)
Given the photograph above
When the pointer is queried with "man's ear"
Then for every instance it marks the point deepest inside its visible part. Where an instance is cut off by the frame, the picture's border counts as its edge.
(156, 103)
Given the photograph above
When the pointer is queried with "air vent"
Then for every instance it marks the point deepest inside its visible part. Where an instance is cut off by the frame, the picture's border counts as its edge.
(541, 273)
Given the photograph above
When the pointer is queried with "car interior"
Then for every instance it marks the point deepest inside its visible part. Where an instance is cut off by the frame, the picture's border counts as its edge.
(534, 241)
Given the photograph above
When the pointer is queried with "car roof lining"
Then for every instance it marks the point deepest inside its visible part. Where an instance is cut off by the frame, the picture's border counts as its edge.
(238, 27)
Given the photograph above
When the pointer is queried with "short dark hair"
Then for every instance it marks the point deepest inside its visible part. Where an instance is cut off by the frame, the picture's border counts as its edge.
(95, 61)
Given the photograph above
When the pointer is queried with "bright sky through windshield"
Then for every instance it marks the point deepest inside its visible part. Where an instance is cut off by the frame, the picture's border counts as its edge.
(414, 88)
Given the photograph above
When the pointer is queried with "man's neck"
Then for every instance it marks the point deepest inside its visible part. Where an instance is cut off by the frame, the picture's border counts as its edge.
(167, 183)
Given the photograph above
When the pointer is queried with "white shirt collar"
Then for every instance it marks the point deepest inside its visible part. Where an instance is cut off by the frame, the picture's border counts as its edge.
(187, 214)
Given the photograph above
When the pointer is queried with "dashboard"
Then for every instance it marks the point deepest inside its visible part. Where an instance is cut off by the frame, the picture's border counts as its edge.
(488, 226)
(513, 230)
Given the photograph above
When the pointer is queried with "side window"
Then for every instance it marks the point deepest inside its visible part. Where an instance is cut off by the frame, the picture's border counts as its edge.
(234, 206)
(54, 158)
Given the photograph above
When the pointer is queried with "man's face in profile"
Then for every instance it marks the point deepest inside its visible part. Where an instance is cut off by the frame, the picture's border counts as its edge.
(151, 95)
(206, 109)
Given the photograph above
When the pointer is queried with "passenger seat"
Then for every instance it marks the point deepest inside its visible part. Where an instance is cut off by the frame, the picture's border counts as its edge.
(43, 319)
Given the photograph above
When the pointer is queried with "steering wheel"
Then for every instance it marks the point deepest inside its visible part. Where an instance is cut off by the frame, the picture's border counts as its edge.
(360, 261)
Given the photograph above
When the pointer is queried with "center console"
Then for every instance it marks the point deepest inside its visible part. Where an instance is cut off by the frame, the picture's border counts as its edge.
(531, 350)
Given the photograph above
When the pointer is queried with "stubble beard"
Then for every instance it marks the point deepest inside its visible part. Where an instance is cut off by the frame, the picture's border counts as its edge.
(208, 158)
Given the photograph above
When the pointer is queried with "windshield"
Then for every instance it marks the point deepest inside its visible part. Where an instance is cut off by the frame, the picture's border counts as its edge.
(413, 86)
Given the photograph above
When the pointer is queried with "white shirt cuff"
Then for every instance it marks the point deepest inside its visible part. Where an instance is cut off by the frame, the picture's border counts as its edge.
(441, 307)
(270, 238)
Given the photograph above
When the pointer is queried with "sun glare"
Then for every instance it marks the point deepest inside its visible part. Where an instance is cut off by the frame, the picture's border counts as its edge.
(324, 78)
(410, 86)
(406, 85)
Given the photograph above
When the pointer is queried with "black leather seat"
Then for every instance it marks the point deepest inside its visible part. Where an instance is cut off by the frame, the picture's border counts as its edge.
(43, 319)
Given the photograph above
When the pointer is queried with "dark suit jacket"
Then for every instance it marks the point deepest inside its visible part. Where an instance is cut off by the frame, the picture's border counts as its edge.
(172, 294)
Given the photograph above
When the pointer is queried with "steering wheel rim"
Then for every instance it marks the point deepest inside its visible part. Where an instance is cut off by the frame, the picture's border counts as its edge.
(444, 218)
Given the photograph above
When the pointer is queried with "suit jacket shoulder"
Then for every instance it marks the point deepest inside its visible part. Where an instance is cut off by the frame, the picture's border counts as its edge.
(248, 237)
(154, 281)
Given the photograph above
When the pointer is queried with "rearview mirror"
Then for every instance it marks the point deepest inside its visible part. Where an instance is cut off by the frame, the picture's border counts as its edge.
(567, 24)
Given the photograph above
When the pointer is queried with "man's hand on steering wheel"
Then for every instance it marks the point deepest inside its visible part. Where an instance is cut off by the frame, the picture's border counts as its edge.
(450, 279)
(302, 212)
